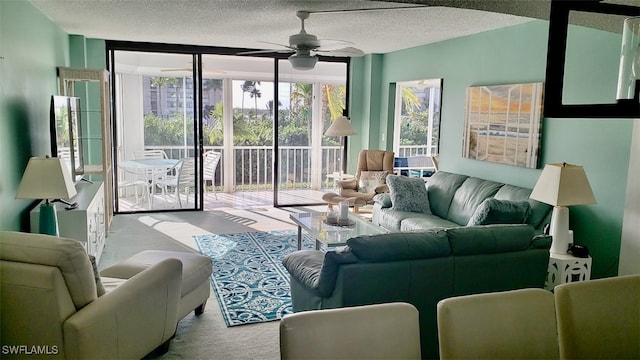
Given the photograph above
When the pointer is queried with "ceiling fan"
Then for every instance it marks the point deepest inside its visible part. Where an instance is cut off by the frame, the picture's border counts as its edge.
(305, 47)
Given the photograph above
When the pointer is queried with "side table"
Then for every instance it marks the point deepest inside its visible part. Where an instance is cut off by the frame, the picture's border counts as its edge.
(567, 268)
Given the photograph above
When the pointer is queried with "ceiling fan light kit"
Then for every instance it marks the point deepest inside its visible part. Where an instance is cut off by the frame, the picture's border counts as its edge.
(303, 62)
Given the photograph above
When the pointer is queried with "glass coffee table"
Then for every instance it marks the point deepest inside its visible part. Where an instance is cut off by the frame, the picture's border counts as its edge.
(331, 235)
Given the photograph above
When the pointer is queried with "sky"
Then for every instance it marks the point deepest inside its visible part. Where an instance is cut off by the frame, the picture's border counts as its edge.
(266, 89)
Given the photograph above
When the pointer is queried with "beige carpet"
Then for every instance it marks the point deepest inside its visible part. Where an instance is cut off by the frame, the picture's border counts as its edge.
(207, 337)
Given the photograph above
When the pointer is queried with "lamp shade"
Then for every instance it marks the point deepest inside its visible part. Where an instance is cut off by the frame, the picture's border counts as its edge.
(563, 184)
(340, 127)
(46, 178)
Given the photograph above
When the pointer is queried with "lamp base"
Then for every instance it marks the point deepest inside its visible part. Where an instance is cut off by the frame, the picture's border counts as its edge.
(48, 219)
(559, 230)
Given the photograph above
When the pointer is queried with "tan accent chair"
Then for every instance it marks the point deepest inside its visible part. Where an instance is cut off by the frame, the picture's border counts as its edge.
(49, 300)
(382, 331)
(599, 319)
(517, 324)
(368, 160)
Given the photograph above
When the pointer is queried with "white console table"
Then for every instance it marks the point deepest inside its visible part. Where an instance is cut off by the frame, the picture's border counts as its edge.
(86, 223)
(567, 268)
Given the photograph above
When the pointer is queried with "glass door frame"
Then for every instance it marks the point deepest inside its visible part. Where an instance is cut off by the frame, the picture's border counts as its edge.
(197, 52)
(111, 48)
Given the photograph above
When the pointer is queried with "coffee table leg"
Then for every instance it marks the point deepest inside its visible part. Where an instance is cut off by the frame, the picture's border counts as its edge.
(299, 237)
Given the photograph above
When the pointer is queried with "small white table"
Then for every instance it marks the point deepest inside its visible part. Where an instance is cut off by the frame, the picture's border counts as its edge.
(338, 177)
(567, 268)
(152, 168)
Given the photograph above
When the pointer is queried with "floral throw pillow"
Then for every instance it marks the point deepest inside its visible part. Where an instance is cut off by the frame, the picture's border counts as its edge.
(408, 194)
(370, 180)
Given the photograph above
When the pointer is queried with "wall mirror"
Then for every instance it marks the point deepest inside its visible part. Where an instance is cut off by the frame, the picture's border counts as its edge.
(66, 139)
(417, 125)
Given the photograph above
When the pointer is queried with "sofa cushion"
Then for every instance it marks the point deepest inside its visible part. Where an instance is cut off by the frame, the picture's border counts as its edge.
(370, 180)
(468, 197)
(489, 239)
(96, 275)
(538, 211)
(400, 246)
(425, 222)
(441, 188)
(408, 194)
(494, 211)
(66, 254)
(392, 219)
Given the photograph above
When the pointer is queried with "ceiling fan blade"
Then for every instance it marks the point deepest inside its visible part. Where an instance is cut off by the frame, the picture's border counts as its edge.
(346, 51)
(333, 44)
(265, 52)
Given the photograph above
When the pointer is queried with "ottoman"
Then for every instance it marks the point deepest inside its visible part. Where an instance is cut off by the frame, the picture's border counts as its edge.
(196, 270)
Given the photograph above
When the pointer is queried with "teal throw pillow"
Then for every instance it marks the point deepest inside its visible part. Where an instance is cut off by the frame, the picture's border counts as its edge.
(408, 194)
(494, 211)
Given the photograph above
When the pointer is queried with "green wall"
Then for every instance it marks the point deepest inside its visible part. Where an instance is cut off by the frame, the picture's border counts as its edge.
(31, 47)
(518, 55)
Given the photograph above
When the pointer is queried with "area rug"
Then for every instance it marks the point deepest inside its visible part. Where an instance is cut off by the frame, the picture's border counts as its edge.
(249, 280)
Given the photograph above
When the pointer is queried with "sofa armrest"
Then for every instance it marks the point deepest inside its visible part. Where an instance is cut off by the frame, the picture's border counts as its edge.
(316, 270)
(541, 241)
(131, 320)
(384, 200)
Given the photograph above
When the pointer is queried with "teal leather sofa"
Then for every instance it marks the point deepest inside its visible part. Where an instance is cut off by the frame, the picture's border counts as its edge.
(453, 200)
(420, 268)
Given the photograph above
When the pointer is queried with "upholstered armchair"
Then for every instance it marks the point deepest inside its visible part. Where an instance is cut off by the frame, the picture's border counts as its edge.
(373, 167)
(51, 304)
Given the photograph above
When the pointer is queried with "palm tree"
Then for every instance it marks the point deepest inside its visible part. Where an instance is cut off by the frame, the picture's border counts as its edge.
(214, 131)
(255, 94)
(249, 87)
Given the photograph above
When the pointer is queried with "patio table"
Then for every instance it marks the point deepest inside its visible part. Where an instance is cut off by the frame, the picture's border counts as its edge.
(151, 168)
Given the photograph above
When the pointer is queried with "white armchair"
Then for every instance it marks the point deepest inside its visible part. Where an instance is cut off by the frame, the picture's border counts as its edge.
(49, 300)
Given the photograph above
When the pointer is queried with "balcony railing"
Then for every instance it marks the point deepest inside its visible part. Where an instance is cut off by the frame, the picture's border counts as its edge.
(254, 164)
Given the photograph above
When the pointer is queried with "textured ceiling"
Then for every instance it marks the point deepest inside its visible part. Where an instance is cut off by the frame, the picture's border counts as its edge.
(245, 23)
(248, 24)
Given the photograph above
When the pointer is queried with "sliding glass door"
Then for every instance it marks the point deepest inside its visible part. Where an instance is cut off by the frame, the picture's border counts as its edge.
(308, 101)
(249, 129)
(155, 132)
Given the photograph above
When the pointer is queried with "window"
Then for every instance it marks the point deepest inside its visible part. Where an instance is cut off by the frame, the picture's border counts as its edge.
(417, 118)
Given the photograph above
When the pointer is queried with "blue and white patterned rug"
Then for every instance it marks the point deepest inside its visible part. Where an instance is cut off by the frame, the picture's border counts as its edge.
(249, 280)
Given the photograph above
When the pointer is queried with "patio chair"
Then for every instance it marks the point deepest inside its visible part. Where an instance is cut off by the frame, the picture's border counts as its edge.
(150, 154)
(211, 160)
(135, 179)
(184, 180)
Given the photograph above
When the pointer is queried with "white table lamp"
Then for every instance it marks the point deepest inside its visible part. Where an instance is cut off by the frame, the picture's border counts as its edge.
(341, 127)
(562, 185)
(46, 178)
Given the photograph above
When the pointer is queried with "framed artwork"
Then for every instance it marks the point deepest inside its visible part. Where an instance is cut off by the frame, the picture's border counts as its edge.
(502, 124)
